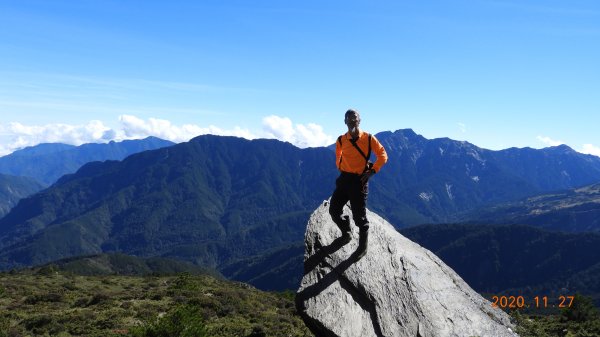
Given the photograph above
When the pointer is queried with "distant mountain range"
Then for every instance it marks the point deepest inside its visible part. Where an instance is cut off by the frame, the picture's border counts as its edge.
(216, 200)
(431, 181)
(573, 210)
(493, 259)
(13, 189)
(207, 201)
(47, 162)
(500, 257)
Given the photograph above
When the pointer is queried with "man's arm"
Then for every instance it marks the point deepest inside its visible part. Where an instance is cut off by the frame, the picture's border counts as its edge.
(380, 153)
(381, 160)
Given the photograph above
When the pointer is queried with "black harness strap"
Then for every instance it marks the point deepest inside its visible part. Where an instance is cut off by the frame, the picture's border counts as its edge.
(340, 142)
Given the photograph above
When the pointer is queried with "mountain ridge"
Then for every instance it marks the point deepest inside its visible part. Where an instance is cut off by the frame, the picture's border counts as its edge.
(573, 210)
(216, 199)
(47, 162)
(13, 189)
(153, 195)
(436, 179)
(493, 259)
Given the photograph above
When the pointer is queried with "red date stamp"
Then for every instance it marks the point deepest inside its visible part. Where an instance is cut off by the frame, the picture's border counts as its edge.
(519, 302)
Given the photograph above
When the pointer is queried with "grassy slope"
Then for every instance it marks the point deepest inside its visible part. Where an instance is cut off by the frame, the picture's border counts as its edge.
(62, 304)
(46, 302)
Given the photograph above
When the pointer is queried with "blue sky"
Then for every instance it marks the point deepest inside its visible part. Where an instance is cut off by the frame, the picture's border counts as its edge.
(497, 74)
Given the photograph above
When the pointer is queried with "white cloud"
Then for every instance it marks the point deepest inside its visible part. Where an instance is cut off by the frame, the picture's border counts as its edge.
(462, 127)
(590, 149)
(28, 135)
(549, 141)
(135, 128)
(279, 127)
(131, 127)
(282, 128)
(586, 148)
(16, 135)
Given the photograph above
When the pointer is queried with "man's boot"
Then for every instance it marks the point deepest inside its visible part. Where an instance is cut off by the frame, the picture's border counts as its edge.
(363, 242)
(344, 225)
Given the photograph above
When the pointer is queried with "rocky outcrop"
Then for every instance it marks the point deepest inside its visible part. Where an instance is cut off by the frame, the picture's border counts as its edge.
(397, 289)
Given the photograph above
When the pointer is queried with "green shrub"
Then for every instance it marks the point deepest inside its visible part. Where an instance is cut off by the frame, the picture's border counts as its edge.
(258, 331)
(81, 302)
(48, 270)
(70, 286)
(40, 324)
(98, 298)
(184, 321)
(184, 281)
(554, 326)
(4, 326)
(49, 297)
(582, 310)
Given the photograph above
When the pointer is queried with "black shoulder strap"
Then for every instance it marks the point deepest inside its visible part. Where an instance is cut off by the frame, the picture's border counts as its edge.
(340, 142)
(369, 153)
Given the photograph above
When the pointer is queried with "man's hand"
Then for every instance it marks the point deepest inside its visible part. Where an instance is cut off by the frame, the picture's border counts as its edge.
(364, 178)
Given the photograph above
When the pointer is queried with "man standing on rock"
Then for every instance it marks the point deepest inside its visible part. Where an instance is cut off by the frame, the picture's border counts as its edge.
(352, 153)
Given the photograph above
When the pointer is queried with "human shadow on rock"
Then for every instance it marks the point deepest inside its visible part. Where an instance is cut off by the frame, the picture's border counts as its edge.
(335, 274)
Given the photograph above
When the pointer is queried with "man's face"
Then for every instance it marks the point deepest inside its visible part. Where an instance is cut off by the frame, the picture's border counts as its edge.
(352, 121)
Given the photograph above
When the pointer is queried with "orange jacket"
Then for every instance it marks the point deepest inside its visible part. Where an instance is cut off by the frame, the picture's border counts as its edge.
(348, 159)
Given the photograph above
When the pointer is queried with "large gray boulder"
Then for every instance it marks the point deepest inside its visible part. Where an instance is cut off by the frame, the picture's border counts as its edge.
(397, 289)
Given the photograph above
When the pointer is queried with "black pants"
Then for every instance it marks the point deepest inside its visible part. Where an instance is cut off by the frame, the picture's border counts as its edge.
(348, 187)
